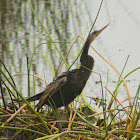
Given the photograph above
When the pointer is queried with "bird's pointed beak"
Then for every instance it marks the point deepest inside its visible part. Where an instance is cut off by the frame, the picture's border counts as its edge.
(98, 32)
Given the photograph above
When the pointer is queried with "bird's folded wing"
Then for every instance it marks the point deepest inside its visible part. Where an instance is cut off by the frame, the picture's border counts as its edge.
(51, 90)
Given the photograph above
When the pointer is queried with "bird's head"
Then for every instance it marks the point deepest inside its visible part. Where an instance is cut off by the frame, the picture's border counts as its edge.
(93, 35)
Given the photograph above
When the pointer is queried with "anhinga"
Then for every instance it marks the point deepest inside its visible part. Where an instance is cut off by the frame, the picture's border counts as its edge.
(66, 87)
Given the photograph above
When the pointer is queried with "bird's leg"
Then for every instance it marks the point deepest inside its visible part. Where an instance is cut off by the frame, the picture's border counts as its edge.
(68, 110)
(62, 116)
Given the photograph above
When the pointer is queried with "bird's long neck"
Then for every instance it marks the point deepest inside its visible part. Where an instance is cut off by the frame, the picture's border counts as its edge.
(86, 60)
(85, 50)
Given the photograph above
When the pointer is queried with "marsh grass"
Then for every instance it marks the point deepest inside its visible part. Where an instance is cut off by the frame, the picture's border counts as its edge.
(80, 122)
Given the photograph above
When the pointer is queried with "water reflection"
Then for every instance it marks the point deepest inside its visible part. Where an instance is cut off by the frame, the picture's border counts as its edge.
(21, 33)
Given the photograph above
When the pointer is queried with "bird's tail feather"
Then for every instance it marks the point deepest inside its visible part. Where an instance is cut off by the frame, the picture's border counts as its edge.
(33, 98)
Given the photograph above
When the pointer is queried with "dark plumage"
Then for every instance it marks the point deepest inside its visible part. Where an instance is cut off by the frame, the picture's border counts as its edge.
(70, 84)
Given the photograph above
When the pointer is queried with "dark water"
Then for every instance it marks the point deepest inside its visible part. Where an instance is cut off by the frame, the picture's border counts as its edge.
(21, 33)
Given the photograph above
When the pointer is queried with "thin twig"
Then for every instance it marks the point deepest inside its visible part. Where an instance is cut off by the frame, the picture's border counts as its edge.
(118, 101)
(67, 55)
(14, 115)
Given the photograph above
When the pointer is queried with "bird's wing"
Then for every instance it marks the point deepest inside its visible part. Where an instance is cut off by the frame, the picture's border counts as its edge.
(52, 88)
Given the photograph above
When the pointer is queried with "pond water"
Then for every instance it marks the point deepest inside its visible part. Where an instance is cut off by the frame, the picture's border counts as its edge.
(21, 33)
